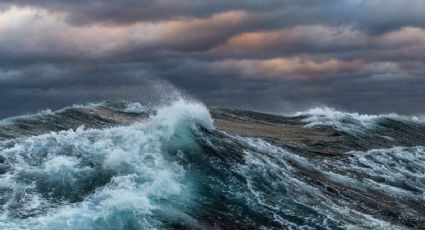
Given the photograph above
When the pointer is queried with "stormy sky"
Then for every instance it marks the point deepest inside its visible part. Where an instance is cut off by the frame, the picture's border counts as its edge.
(276, 56)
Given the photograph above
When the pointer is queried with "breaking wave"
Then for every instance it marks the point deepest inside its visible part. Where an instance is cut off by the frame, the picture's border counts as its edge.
(353, 122)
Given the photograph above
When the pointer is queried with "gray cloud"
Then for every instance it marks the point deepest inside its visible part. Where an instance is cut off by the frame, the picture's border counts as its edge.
(373, 16)
(131, 11)
(263, 55)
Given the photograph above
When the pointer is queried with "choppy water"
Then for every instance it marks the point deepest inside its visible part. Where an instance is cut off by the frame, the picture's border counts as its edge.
(128, 166)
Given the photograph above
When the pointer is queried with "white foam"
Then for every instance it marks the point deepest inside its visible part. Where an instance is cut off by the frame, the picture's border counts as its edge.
(192, 113)
(399, 166)
(135, 107)
(58, 163)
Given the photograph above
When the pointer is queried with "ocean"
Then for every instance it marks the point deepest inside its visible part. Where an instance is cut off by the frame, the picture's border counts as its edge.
(182, 165)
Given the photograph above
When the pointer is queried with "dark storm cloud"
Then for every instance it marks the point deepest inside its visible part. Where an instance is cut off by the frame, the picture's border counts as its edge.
(131, 11)
(264, 55)
(374, 16)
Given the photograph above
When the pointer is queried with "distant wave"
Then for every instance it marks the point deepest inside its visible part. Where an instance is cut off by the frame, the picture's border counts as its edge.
(352, 122)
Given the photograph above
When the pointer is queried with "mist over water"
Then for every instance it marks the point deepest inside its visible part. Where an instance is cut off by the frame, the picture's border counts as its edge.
(132, 165)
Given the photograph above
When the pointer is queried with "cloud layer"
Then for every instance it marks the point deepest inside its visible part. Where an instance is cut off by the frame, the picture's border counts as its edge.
(268, 55)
